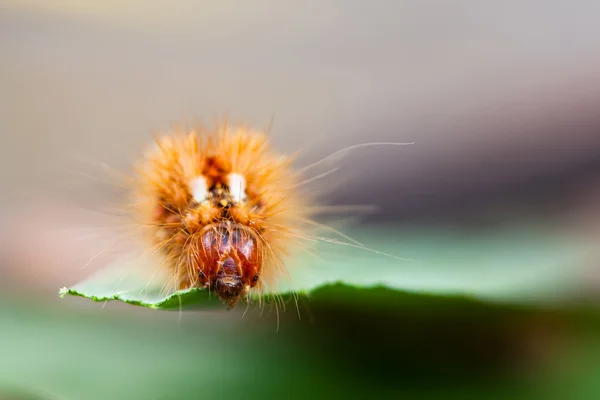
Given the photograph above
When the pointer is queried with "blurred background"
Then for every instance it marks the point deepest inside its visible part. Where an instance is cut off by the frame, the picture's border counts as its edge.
(500, 98)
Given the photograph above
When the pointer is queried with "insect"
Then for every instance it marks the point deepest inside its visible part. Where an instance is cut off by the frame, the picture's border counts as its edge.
(223, 209)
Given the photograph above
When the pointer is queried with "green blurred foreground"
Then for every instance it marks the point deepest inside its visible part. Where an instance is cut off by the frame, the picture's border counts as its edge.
(357, 339)
(433, 347)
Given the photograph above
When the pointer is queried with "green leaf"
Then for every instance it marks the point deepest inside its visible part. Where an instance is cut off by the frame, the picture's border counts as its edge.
(509, 266)
(427, 347)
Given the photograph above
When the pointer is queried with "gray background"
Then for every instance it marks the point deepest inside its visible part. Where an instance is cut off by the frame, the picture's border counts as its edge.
(500, 98)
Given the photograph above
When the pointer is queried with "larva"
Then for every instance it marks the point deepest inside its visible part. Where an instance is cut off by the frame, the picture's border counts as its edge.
(222, 207)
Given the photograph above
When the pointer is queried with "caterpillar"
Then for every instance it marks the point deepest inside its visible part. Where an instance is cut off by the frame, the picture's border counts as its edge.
(223, 210)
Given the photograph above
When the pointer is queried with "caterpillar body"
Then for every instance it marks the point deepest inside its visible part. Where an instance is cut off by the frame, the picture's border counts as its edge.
(221, 207)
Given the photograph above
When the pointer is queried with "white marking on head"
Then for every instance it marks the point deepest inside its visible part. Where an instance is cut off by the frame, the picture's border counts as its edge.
(237, 187)
(199, 188)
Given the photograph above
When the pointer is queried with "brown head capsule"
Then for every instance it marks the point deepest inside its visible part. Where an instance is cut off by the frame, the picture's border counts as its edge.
(229, 261)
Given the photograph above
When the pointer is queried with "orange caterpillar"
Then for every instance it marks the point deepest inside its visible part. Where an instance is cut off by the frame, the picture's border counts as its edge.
(222, 207)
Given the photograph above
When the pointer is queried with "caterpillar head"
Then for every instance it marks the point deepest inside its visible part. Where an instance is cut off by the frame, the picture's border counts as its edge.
(229, 260)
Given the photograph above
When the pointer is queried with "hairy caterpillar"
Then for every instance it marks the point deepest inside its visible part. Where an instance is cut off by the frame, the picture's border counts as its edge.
(222, 206)
(222, 210)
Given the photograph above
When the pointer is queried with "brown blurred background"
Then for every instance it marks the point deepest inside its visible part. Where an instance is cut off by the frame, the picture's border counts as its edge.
(501, 100)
